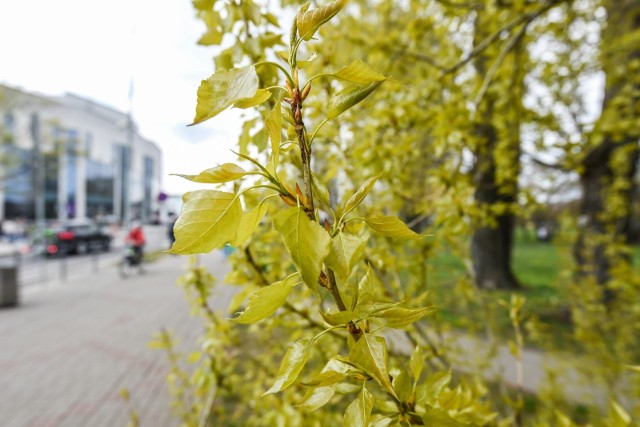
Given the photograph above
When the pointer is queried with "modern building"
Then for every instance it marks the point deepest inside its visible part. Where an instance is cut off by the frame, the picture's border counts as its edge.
(69, 157)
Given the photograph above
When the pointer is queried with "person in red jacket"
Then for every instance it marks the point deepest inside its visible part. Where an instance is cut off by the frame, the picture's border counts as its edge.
(136, 239)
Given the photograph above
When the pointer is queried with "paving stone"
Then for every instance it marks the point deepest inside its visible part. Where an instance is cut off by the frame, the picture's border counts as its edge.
(69, 348)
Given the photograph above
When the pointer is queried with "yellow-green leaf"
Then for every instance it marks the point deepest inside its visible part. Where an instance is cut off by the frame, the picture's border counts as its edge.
(339, 317)
(308, 21)
(345, 250)
(306, 241)
(223, 89)
(320, 190)
(391, 226)
(213, 36)
(316, 397)
(265, 301)
(209, 219)
(249, 222)
(261, 96)
(399, 317)
(360, 73)
(440, 417)
(349, 97)
(429, 391)
(370, 354)
(416, 363)
(203, 4)
(294, 360)
(326, 378)
(618, 416)
(358, 412)
(359, 195)
(402, 385)
(273, 122)
(223, 173)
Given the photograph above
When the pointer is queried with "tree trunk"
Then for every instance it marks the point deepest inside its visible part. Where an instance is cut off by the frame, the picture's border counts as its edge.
(492, 244)
(614, 159)
(497, 162)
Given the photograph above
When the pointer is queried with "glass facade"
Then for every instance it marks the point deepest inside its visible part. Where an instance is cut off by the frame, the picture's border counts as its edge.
(100, 186)
(148, 187)
(71, 149)
(51, 170)
(73, 172)
(19, 194)
(123, 159)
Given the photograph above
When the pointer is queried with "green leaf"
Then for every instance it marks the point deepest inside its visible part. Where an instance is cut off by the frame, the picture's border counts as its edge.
(265, 301)
(618, 416)
(365, 292)
(416, 363)
(345, 250)
(308, 21)
(339, 317)
(306, 241)
(271, 19)
(208, 220)
(327, 378)
(359, 195)
(294, 360)
(391, 226)
(213, 36)
(261, 96)
(429, 391)
(203, 4)
(402, 385)
(224, 173)
(273, 122)
(439, 417)
(374, 308)
(320, 191)
(223, 89)
(360, 73)
(316, 397)
(358, 412)
(249, 223)
(399, 317)
(370, 353)
(349, 97)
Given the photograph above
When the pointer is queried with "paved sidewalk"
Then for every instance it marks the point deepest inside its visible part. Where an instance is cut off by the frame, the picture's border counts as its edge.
(67, 350)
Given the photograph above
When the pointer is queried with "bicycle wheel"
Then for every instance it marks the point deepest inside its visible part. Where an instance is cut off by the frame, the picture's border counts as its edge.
(125, 269)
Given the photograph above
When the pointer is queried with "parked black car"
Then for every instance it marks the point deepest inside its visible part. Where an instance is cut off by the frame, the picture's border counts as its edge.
(78, 238)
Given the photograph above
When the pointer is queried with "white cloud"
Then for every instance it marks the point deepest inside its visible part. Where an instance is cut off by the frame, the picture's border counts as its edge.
(92, 49)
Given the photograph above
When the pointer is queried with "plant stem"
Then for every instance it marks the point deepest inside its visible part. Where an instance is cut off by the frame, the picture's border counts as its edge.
(327, 280)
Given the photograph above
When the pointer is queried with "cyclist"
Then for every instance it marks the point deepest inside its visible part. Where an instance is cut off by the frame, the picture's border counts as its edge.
(136, 239)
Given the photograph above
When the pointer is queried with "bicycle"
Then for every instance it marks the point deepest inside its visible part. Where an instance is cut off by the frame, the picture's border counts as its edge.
(132, 260)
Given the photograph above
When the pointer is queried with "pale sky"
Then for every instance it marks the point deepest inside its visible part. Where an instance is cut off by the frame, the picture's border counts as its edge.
(92, 48)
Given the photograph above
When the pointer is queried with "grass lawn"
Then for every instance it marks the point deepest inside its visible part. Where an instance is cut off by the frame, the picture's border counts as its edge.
(542, 268)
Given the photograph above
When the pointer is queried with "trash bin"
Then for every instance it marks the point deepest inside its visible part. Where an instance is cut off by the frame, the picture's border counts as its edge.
(9, 293)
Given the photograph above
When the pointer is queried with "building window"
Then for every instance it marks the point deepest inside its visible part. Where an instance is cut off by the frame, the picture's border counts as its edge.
(72, 172)
(100, 181)
(148, 187)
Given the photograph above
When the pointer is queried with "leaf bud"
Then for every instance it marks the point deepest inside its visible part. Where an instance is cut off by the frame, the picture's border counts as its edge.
(305, 91)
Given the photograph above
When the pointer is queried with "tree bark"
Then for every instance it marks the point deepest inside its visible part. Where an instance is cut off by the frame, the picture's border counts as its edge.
(600, 227)
(492, 245)
(496, 180)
